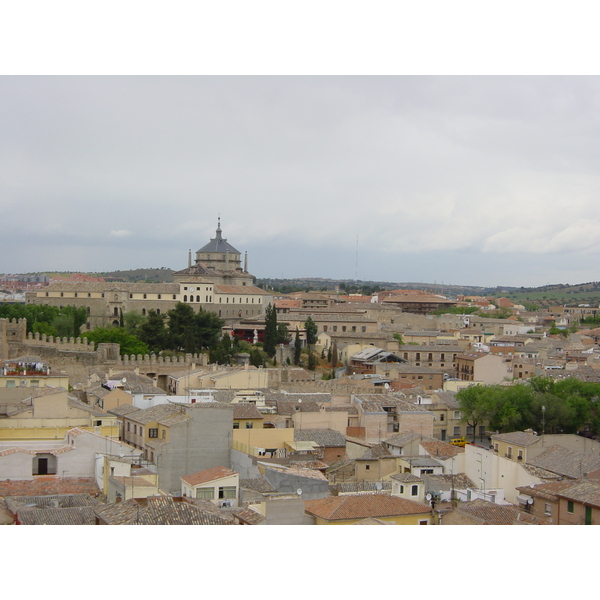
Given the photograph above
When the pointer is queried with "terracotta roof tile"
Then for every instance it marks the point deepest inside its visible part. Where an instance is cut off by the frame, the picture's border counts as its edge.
(363, 506)
(208, 475)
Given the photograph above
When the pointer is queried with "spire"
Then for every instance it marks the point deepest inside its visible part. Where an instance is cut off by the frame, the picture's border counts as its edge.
(219, 229)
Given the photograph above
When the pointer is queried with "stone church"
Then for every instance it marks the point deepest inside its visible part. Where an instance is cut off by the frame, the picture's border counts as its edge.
(216, 282)
(218, 262)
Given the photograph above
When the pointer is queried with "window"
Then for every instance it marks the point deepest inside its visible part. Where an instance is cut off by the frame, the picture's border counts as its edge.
(547, 509)
(236, 425)
(228, 491)
(10, 383)
(457, 414)
(442, 417)
(205, 493)
(401, 489)
(153, 432)
(570, 507)
(456, 431)
(164, 434)
(367, 467)
(128, 426)
(414, 490)
(249, 424)
(135, 429)
(509, 452)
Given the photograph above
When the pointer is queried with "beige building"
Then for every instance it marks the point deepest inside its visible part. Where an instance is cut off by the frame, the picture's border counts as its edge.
(483, 367)
(219, 485)
(216, 283)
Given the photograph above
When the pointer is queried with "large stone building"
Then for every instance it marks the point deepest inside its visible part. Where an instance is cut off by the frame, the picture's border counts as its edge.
(216, 283)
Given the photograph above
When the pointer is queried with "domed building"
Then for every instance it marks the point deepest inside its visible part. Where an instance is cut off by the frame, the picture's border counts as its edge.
(216, 262)
(216, 282)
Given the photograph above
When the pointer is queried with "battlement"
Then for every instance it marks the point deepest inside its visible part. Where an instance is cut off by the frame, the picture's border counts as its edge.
(154, 360)
(72, 344)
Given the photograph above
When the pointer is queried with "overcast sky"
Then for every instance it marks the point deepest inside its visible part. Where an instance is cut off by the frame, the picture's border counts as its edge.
(464, 180)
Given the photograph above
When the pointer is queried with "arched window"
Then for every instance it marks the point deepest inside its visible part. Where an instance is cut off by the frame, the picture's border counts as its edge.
(185, 298)
(197, 298)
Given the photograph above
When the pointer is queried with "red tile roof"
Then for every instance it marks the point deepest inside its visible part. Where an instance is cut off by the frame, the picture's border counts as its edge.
(363, 506)
(208, 475)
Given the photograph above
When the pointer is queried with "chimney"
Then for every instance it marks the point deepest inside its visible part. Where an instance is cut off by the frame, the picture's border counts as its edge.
(246, 262)
(189, 258)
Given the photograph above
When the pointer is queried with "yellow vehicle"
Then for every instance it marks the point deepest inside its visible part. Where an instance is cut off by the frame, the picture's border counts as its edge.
(461, 441)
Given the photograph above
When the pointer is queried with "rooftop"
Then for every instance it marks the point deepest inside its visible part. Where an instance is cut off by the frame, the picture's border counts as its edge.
(363, 506)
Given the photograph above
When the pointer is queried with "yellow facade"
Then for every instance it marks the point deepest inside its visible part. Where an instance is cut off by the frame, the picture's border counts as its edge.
(248, 424)
(418, 519)
(34, 381)
(250, 441)
(52, 432)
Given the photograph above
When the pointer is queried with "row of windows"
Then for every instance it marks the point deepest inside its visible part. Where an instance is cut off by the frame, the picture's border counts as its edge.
(206, 298)
(11, 383)
(353, 329)
(228, 491)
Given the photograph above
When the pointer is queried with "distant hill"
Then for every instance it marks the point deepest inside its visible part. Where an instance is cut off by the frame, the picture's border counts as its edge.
(542, 296)
(160, 275)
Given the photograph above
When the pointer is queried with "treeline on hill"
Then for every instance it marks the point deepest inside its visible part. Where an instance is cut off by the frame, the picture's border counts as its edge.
(543, 404)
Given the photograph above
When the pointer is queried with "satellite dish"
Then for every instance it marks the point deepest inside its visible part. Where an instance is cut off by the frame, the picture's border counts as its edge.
(387, 386)
(299, 492)
(529, 500)
(428, 497)
(123, 380)
(379, 486)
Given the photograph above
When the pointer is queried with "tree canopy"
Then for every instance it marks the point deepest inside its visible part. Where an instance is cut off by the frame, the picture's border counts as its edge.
(542, 403)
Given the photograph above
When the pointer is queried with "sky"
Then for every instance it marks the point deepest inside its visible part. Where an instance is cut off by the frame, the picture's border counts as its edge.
(469, 180)
(485, 180)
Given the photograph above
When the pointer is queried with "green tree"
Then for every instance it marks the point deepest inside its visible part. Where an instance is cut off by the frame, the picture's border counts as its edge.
(312, 361)
(129, 344)
(152, 331)
(334, 356)
(398, 338)
(133, 320)
(223, 352)
(69, 321)
(257, 358)
(475, 404)
(192, 332)
(271, 331)
(297, 348)
(311, 331)
(283, 334)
